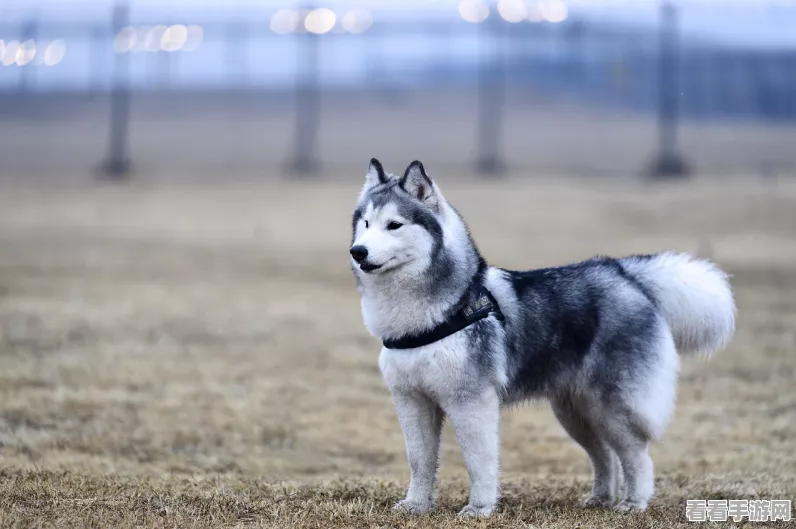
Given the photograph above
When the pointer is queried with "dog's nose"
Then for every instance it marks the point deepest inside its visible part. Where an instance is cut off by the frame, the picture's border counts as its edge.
(359, 253)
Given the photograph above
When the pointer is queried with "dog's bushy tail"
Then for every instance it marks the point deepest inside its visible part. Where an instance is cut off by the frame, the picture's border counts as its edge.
(694, 296)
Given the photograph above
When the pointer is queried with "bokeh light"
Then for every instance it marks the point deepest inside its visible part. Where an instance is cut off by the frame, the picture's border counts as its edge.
(125, 40)
(473, 11)
(26, 52)
(54, 53)
(320, 21)
(357, 21)
(554, 10)
(285, 21)
(174, 38)
(10, 52)
(512, 10)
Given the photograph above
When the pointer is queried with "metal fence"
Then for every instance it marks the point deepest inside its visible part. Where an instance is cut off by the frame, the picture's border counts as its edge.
(251, 95)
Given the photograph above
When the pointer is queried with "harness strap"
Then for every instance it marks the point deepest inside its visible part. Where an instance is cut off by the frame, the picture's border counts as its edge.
(479, 308)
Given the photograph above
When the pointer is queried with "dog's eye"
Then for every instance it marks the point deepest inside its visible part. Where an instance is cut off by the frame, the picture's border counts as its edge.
(367, 225)
(394, 225)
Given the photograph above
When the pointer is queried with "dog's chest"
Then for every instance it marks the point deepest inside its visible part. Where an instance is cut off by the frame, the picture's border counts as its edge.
(437, 370)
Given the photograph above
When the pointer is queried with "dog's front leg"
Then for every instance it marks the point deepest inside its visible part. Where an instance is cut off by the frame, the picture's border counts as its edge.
(477, 425)
(421, 422)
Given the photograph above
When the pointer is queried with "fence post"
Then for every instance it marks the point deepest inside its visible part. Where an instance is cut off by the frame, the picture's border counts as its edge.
(29, 32)
(491, 94)
(118, 163)
(307, 101)
(668, 162)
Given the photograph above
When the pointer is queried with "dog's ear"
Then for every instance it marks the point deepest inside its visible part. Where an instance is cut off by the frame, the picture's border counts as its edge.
(418, 184)
(376, 174)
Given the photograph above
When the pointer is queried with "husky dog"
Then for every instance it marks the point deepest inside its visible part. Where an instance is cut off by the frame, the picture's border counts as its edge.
(598, 339)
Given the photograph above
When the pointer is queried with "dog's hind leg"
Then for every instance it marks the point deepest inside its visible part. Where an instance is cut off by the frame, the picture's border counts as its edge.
(421, 422)
(633, 451)
(639, 416)
(629, 425)
(604, 462)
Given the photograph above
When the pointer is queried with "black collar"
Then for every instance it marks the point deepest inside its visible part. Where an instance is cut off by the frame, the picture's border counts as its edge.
(476, 304)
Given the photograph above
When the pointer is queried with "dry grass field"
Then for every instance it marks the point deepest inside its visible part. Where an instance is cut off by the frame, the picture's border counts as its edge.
(193, 355)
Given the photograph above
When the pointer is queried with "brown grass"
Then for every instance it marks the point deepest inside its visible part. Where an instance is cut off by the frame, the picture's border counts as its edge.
(194, 356)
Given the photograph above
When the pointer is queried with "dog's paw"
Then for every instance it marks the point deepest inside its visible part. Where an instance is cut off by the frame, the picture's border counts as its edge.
(631, 505)
(413, 506)
(476, 511)
(594, 502)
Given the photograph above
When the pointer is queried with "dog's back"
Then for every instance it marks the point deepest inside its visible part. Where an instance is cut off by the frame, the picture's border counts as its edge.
(602, 322)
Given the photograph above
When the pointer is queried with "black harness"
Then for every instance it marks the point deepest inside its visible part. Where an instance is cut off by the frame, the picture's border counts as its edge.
(476, 305)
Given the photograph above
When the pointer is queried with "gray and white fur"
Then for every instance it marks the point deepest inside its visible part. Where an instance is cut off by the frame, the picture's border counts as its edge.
(599, 339)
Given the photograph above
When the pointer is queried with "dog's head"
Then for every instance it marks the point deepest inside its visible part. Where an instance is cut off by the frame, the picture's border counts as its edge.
(397, 223)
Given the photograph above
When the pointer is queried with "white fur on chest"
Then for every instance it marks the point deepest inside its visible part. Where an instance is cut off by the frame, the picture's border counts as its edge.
(392, 312)
(437, 370)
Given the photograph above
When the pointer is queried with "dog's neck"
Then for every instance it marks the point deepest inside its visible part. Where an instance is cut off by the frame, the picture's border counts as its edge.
(396, 305)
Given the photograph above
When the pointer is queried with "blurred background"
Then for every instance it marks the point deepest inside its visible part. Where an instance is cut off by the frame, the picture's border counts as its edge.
(190, 87)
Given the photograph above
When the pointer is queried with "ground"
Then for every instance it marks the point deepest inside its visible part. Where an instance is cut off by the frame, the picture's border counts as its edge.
(193, 355)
